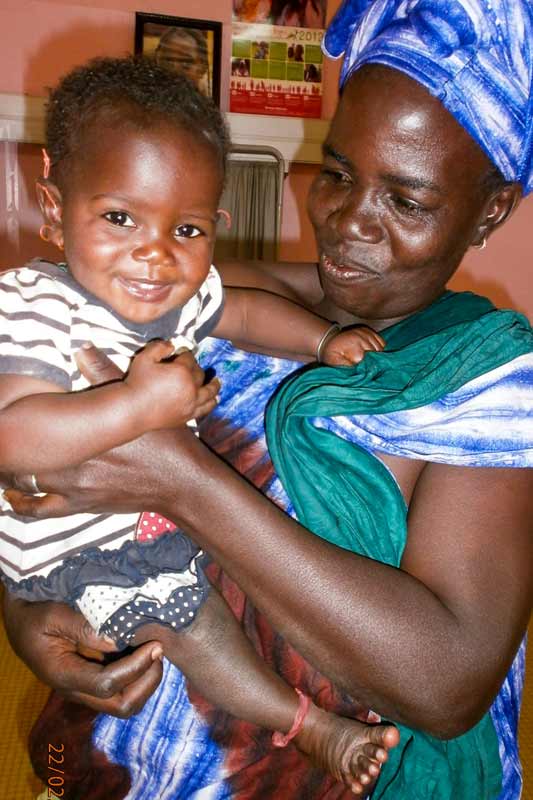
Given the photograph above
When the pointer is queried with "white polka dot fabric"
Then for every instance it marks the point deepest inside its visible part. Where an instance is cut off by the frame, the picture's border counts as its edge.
(172, 598)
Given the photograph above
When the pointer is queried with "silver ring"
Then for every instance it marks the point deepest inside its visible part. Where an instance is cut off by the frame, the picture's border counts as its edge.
(34, 485)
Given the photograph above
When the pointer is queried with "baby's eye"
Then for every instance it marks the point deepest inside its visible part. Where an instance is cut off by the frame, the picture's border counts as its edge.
(188, 231)
(119, 218)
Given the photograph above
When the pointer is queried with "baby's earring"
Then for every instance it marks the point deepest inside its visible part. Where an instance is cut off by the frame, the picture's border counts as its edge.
(222, 212)
(46, 163)
(52, 202)
(45, 232)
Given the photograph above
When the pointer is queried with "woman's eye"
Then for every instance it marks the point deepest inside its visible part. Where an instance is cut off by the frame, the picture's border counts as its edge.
(188, 231)
(406, 206)
(119, 218)
(335, 175)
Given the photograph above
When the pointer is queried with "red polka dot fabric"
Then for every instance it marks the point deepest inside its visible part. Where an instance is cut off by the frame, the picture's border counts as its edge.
(151, 525)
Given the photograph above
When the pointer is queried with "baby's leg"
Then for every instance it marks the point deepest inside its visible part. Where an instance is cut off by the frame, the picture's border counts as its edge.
(222, 665)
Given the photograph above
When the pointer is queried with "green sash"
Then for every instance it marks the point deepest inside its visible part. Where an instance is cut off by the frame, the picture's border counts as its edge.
(430, 354)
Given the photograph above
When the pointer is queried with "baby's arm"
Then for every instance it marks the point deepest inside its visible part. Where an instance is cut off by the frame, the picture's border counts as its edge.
(42, 427)
(258, 319)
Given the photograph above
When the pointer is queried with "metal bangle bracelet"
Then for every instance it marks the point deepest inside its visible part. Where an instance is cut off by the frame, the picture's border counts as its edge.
(34, 485)
(332, 331)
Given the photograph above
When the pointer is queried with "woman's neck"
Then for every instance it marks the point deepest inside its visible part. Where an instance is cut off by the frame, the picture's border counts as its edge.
(345, 318)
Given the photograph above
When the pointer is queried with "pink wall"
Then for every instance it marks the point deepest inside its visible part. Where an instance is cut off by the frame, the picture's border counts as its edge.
(297, 238)
(41, 39)
(503, 270)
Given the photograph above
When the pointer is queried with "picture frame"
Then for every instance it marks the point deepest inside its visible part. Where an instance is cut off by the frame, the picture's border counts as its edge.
(190, 46)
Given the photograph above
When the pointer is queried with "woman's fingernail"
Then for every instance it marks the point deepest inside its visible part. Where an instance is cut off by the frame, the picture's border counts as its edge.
(217, 398)
(86, 346)
(108, 639)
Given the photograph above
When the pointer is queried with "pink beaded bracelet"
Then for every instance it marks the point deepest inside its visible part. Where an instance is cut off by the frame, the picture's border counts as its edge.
(282, 739)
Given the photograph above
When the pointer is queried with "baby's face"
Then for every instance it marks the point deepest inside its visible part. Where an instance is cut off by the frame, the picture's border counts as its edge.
(139, 215)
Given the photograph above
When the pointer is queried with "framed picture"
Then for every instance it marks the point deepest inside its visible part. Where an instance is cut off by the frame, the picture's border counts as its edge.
(189, 46)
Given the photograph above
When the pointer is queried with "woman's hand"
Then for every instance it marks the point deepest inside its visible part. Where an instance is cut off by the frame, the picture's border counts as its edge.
(62, 650)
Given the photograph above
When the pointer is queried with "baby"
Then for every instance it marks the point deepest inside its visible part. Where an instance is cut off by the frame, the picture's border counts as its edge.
(133, 175)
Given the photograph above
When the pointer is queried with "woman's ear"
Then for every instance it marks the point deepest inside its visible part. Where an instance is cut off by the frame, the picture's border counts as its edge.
(499, 207)
(51, 205)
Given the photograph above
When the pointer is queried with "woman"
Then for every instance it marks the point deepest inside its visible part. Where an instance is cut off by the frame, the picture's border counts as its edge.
(422, 621)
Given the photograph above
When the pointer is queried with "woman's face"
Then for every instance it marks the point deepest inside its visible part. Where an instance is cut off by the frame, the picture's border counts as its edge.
(398, 199)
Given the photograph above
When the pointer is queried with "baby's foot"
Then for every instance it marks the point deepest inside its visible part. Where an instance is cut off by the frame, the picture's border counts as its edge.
(349, 750)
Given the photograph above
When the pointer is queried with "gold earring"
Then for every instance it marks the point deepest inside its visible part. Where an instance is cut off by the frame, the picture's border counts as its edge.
(45, 232)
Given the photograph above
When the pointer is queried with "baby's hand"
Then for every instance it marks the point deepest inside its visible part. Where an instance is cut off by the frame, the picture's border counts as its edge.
(349, 347)
(169, 393)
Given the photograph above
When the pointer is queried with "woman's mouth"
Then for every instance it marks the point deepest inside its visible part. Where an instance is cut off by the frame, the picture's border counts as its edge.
(344, 273)
(146, 291)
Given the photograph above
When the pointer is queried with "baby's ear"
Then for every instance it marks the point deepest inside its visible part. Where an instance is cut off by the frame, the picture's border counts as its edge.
(50, 201)
(225, 215)
(51, 206)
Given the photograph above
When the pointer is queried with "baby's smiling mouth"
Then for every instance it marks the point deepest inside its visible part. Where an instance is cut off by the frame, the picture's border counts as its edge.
(145, 290)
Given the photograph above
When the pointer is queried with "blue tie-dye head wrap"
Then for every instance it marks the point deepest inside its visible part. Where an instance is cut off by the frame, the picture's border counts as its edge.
(475, 56)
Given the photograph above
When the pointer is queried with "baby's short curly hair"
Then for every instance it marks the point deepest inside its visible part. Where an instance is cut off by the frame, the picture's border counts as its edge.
(130, 88)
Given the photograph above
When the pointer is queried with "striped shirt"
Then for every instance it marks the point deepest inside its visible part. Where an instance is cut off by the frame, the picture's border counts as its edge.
(45, 318)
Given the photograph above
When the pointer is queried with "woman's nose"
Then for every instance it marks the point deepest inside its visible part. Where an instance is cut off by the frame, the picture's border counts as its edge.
(358, 218)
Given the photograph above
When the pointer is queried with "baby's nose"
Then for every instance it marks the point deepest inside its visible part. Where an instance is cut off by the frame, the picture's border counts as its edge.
(156, 251)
